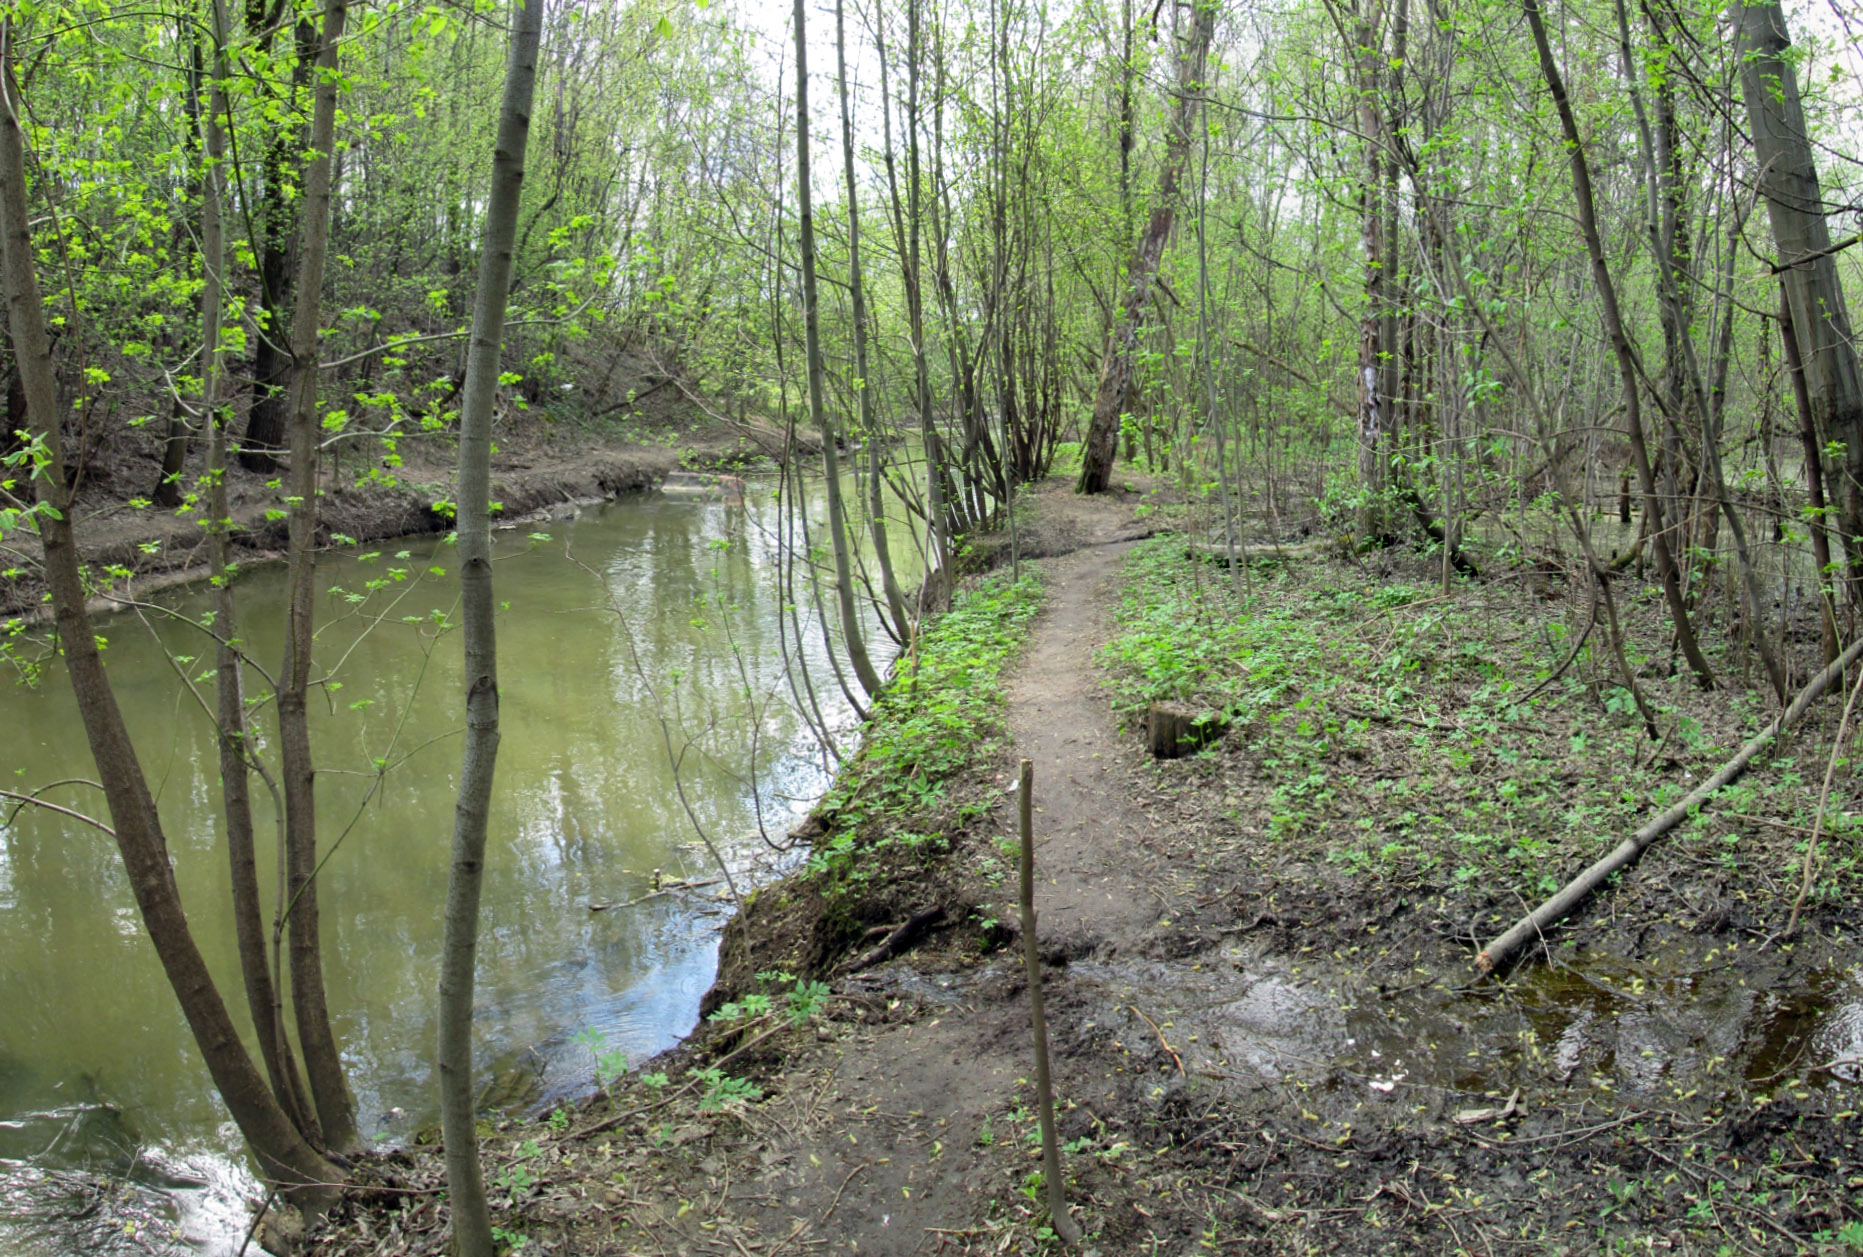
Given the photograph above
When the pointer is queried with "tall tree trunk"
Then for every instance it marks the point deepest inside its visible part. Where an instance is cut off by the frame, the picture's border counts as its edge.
(1795, 203)
(851, 635)
(323, 1063)
(1686, 378)
(863, 383)
(1373, 418)
(472, 1227)
(1620, 343)
(1113, 397)
(936, 575)
(283, 1154)
(262, 998)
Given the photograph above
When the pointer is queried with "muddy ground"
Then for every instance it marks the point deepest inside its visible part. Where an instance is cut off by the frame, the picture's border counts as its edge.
(1268, 1032)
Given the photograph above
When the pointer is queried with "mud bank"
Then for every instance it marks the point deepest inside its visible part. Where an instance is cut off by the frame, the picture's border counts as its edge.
(160, 548)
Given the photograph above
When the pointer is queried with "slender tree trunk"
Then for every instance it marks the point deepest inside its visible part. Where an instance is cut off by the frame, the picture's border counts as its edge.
(1373, 418)
(323, 1062)
(863, 383)
(282, 1152)
(1814, 477)
(1620, 343)
(229, 691)
(936, 576)
(1686, 380)
(1113, 397)
(852, 637)
(1795, 202)
(472, 1227)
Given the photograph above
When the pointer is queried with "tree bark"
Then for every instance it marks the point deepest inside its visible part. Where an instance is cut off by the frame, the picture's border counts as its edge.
(851, 636)
(323, 1062)
(277, 213)
(1795, 204)
(283, 1154)
(1372, 416)
(472, 1227)
(1814, 477)
(1113, 398)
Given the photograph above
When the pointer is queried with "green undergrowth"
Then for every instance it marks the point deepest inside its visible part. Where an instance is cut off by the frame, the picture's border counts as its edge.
(1400, 732)
(942, 713)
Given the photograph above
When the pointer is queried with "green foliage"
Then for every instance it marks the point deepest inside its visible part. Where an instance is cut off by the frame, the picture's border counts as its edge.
(942, 713)
(610, 1063)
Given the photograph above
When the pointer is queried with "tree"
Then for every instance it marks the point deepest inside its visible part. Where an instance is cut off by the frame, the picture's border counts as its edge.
(852, 637)
(1807, 263)
(472, 1233)
(1113, 398)
(282, 1151)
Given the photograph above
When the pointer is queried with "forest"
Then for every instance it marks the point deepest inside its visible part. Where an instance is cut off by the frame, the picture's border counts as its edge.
(1354, 508)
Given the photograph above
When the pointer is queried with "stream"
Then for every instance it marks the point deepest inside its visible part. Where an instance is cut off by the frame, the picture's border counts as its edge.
(630, 628)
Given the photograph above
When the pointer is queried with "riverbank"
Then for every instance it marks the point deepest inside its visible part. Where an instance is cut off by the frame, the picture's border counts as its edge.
(133, 548)
(1268, 1032)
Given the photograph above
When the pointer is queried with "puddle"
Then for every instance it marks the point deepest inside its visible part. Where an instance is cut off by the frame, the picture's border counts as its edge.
(1662, 1029)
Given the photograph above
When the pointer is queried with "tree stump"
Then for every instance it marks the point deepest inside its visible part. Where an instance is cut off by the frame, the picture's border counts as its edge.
(1173, 731)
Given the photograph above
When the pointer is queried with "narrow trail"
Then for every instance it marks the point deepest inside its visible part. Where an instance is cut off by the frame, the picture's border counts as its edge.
(1095, 890)
(884, 1137)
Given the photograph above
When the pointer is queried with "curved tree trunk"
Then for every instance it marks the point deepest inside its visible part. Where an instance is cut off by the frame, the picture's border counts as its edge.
(851, 635)
(1113, 398)
(863, 384)
(283, 1154)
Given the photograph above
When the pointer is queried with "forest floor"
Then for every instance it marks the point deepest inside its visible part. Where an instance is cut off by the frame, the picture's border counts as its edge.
(1267, 1029)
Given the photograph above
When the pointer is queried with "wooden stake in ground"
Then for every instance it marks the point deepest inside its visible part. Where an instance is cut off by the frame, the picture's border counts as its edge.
(1044, 1089)
(1556, 909)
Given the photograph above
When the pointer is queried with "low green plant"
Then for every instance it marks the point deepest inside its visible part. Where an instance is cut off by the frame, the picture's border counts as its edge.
(610, 1063)
(942, 714)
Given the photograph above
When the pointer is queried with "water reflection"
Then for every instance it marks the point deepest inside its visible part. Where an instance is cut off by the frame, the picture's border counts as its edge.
(634, 626)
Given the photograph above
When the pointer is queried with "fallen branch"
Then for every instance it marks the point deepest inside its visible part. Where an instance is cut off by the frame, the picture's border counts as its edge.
(1269, 550)
(1556, 909)
(898, 940)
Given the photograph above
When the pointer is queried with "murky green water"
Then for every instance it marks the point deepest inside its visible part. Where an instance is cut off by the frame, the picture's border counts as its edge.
(97, 1070)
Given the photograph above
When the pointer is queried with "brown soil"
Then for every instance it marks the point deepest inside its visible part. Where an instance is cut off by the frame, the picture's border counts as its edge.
(1255, 1052)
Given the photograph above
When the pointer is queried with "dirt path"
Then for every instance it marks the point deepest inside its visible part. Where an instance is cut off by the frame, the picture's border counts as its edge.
(1097, 889)
(893, 1138)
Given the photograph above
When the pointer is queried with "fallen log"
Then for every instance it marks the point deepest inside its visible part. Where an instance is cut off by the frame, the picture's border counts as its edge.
(1218, 552)
(1556, 909)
